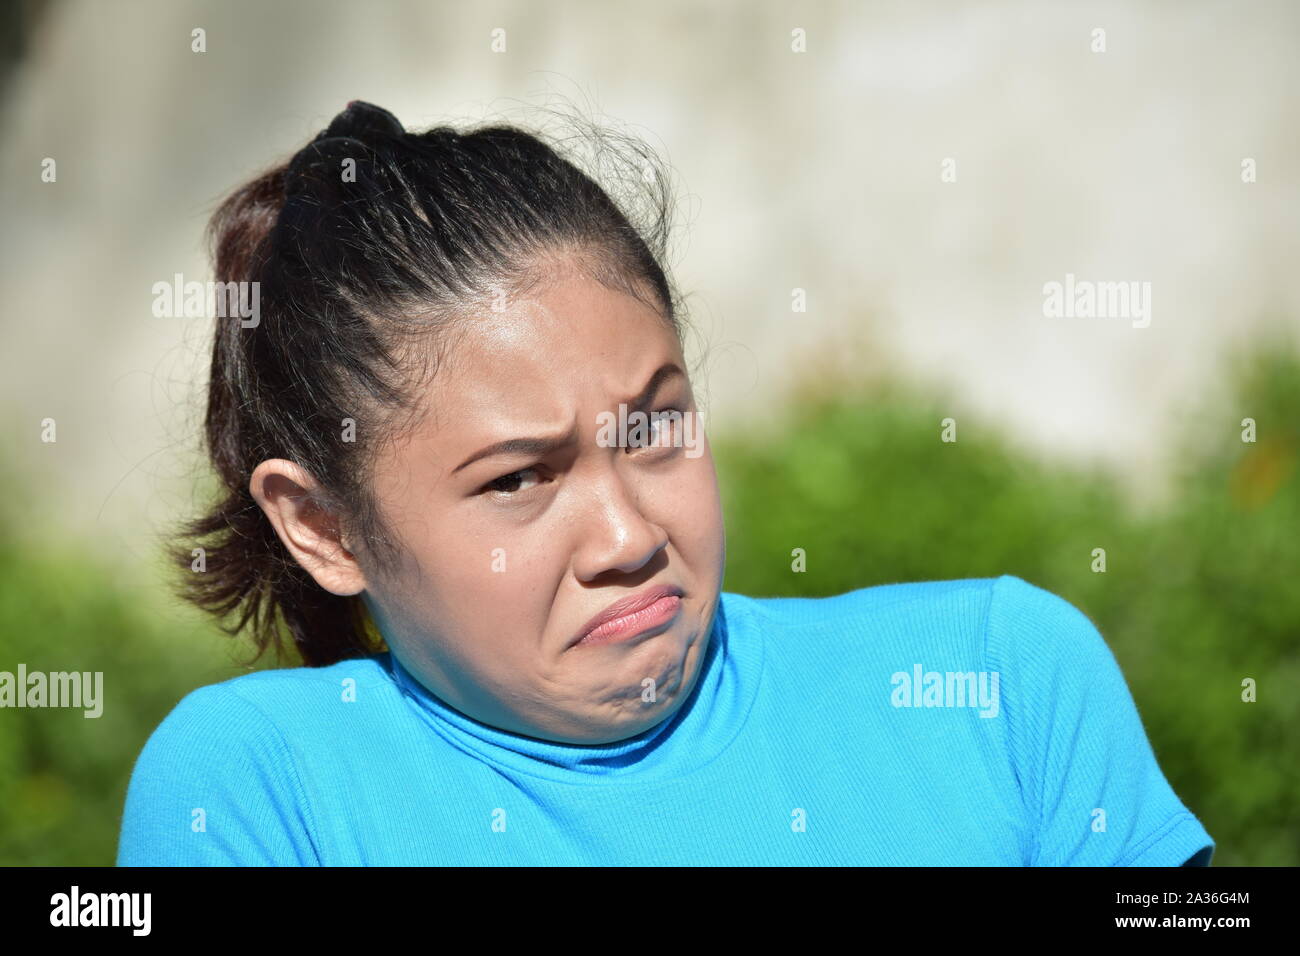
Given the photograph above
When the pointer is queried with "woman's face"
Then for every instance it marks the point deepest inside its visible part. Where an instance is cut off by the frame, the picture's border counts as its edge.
(508, 554)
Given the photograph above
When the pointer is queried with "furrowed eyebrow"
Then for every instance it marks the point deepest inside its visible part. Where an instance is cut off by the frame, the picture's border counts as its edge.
(517, 446)
(543, 446)
(661, 375)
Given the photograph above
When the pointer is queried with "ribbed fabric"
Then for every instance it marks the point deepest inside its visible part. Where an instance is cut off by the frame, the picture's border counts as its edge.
(794, 748)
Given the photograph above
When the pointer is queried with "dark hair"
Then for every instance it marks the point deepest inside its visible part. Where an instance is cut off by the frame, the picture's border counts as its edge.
(351, 269)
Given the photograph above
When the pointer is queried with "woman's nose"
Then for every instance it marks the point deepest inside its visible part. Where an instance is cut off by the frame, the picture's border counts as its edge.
(616, 535)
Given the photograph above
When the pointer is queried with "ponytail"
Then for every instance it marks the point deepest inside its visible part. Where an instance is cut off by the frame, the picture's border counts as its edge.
(248, 578)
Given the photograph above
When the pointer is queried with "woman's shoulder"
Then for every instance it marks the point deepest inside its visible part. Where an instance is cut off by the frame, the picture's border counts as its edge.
(268, 706)
(220, 779)
(955, 602)
(1066, 724)
(851, 602)
(273, 686)
(273, 683)
(1004, 624)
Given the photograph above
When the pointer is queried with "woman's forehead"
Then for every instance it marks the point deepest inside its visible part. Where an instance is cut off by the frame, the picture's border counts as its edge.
(556, 341)
(540, 365)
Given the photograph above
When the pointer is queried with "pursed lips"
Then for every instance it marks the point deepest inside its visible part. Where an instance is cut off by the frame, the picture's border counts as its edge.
(628, 606)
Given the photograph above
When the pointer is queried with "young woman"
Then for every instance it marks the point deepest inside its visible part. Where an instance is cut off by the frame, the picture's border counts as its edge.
(507, 588)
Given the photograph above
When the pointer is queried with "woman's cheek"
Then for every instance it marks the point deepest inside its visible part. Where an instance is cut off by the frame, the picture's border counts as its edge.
(696, 511)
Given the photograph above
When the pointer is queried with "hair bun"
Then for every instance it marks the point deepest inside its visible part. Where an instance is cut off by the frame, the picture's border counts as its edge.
(359, 124)
(360, 119)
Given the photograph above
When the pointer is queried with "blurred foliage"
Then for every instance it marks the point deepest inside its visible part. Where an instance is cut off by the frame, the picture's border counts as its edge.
(63, 775)
(1198, 594)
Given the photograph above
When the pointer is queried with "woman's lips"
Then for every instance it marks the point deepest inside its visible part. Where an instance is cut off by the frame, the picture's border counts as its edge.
(652, 608)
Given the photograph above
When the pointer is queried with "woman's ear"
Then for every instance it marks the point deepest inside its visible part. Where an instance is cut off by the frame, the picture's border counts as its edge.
(286, 493)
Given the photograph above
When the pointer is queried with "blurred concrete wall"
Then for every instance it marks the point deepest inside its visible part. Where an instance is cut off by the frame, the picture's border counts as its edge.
(820, 170)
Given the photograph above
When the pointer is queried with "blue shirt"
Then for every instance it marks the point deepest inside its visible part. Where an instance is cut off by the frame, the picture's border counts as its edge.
(969, 722)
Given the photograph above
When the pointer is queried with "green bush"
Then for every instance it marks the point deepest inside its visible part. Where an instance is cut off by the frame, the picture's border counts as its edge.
(63, 775)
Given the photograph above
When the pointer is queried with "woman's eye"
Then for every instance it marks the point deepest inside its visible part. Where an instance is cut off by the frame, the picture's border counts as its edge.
(660, 428)
(512, 483)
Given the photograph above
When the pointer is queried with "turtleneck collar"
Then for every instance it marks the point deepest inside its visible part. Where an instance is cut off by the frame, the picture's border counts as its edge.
(701, 728)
